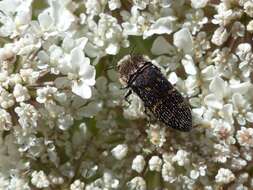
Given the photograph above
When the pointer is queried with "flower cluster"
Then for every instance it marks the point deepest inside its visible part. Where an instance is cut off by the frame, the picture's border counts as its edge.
(64, 123)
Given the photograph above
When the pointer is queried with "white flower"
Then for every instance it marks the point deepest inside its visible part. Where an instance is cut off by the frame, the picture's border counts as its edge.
(6, 98)
(238, 163)
(29, 76)
(138, 163)
(77, 185)
(137, 183)
(106, 36)
(49, 95)
(65, 121)
(220, 90)
(221, 152)
(189, 65)
(7, 54)
(14, 18)
(39, 179)
(220, 36)
(198, 3)
(141, 4)
(168, 172)
(20, 93)
(237, 30)
(135, 109)
(45, 20)
(107, 182)
(28, 115)
(157, 135)
(224, 176)
(195, 20)
(245, 137)
(114, 4)
(94, 7)
(80, 72)
(181, 158)
(18, 183)
(223, 130)
(194, 174)
(244, 52)
(120, 151)
(155, 163)
(248, 7)
(162, 46)
(183, 40)
(173, 78)
(164, 25)
(5, 120)
(62, 17)
(250, 26)
(242, 109)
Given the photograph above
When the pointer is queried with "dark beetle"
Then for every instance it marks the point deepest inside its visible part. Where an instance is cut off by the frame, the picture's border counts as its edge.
(157, 93)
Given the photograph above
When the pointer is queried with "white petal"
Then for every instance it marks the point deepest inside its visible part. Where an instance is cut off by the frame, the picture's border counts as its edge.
(173, 78)
(161, 46)
(241, 87)
(198, 112)
(77, 58)
(91, 109)
(209, 72)
(81, 89)
(112, 49)
(196, 4)
(91, 50)
(227, 113)
(212, 101)
(249, 117)
(241, 120)
(220, 35)
(164, 25)
(183, 40)
(238, 100)
(189, 65)
(68, 43)
(217, 86)
(63, 18)
(130, 29)
(45, 20)
(88, 72)
(81, 42)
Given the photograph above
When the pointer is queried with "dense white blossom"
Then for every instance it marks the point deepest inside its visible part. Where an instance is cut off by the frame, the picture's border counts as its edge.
(137, 183)
(120, 151)
(65, 123)
(39, 179)
(224, 176)
(198, 3)
(244, 137)
(138, 163)
(183, 40)
(181, 158)
(155, 163)
(77, 185)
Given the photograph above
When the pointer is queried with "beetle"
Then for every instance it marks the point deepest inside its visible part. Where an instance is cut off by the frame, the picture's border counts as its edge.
(139, 75)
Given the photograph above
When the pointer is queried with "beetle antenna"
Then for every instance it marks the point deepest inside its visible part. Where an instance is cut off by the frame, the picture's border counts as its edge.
(113, 65)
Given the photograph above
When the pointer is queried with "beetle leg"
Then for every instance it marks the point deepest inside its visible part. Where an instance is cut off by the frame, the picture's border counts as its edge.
(127, 95)
(150, 117)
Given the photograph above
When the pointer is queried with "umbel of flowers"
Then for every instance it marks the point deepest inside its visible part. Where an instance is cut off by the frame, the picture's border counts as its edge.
(64, 123)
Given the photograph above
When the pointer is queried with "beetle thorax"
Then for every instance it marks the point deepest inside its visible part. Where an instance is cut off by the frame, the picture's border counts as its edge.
(128, 66)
